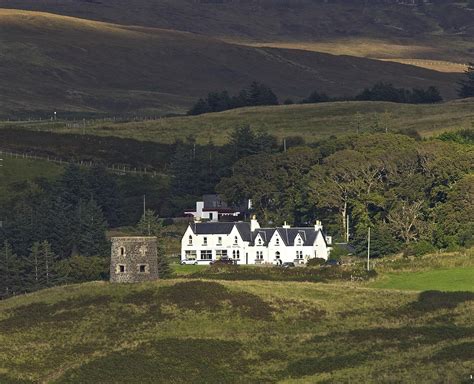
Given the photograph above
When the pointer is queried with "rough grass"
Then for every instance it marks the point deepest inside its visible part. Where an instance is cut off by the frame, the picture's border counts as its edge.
(311, 121)
(234, 332)
(85, 66)
(17, 170)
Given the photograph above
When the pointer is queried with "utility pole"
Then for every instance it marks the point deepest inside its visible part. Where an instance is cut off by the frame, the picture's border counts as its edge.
(347, 230)
(368, 251)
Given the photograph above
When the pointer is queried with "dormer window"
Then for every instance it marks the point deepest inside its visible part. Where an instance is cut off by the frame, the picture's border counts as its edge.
(190, 241)
(259, 241)
(236, 240)
(277, 241)
(299, 241)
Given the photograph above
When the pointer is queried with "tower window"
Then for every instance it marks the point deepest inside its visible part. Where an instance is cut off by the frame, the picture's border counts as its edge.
(142, 268)
(122, 251)
(121, 268)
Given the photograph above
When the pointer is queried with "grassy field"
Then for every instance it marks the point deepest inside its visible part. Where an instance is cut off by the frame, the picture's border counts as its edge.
(15, 170)
(197, 331)
(311, 121)
(455, 279)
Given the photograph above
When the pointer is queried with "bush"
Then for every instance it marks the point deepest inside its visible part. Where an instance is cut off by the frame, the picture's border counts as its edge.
(315, 262)
(418, 249)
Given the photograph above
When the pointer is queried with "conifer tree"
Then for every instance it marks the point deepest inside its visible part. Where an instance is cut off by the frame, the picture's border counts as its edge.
(10, 267)
(91, 239)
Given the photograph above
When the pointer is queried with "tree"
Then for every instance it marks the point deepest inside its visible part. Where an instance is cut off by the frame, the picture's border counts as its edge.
(316, 97)
(90, 238)
(10, 267)
(149, 224)
(467, 84)
(199, 108)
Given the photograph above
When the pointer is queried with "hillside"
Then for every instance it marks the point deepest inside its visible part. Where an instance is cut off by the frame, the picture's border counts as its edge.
(311, 121)
(272, 19)
(441, 31)
(195, 331)
(75, 65)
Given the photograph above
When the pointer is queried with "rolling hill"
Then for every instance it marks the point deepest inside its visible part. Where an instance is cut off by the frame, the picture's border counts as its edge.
(69, 64)
(201, 331)
(311, 121)
(438, 31)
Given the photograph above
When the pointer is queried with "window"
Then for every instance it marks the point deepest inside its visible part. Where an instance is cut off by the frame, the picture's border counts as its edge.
(300, 242)
(221, 254)
(219, 240)
(299, 254)
(120, 268)
(211, 216)
(190, 255)
(122, 251)
(142, 268)
(277, 241)
(277, 255)
(204, 241)
(190, 241)
(259, 242)
(206, 255)
(259, 255)
(236, 254)
(236, 240)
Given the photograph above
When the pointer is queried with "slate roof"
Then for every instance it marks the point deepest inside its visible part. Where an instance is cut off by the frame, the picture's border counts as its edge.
(288, 235)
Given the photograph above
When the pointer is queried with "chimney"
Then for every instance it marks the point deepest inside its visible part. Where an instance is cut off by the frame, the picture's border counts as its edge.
(318, 226)
(286, 226)
(254, 225)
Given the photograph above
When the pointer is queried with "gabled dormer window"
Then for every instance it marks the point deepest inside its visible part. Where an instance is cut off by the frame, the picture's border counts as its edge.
(259, 241)
(299, 241)
(190, 241)
(277, 241)
(236, 240)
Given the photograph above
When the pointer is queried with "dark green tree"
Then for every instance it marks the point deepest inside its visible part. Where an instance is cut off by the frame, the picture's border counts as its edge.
(10, 271)
(91, 238)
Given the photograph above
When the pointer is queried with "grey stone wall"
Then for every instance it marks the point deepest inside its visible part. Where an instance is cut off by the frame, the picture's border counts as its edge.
(133, 259)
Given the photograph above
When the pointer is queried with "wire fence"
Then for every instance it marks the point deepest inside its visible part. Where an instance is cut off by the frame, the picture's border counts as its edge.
(118, 169)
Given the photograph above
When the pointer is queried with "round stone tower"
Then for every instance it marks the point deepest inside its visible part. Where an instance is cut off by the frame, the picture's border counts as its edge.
(133, 259)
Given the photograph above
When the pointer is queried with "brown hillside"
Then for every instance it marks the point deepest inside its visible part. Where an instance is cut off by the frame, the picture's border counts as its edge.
(49, 61)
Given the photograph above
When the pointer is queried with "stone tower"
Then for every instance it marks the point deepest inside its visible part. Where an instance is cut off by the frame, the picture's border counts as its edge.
(134, 259)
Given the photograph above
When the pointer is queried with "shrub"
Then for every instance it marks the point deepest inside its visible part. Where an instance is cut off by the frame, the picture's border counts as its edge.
(316, 262)
(420, 248)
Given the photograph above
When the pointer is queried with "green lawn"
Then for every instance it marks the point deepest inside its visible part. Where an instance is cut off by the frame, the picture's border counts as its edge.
(455, 279)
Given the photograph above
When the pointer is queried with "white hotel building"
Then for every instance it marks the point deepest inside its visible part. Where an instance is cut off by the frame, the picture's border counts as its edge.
(247, 243)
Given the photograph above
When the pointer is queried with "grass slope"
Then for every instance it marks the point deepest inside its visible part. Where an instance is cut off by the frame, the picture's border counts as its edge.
(312, 121)
(50, 62)
(192, 331)
(455, 279)
(17, 170)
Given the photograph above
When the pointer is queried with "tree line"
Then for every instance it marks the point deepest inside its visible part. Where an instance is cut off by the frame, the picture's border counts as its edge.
(259, 94)
(416, 196)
